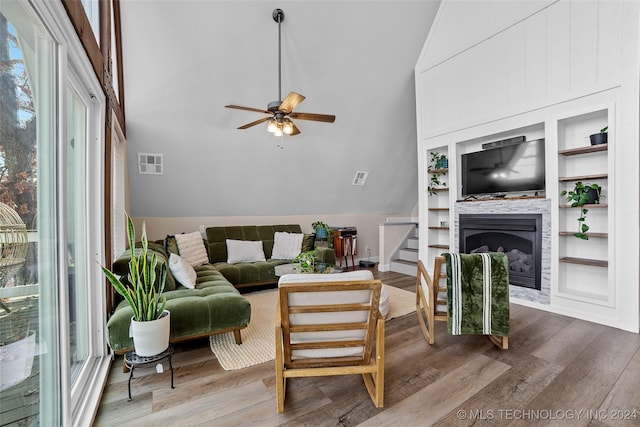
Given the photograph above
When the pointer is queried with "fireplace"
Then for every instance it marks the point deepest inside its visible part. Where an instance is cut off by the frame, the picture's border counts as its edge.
(519, 236)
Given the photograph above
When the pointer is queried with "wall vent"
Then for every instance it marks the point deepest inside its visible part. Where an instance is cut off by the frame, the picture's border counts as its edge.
(150, 164)
(360, 178)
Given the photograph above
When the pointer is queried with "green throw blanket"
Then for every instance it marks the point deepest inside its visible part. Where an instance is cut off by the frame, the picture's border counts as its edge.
(478, 293)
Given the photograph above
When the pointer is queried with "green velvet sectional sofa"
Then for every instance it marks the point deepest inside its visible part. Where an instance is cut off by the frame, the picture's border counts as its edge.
(215, 305)
(246, 274)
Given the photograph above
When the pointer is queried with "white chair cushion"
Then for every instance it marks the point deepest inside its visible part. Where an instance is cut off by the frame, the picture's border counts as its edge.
(351, 275)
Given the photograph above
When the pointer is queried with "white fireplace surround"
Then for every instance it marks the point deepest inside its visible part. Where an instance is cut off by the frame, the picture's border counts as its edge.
(511, 206)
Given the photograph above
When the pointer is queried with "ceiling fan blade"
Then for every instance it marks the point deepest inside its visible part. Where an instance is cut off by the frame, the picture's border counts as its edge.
(238, 107)
(257, 122)
(295, 129)
(328, 118)
(290, 102)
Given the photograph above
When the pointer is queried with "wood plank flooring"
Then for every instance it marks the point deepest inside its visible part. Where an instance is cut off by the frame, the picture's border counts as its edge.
(557, 371)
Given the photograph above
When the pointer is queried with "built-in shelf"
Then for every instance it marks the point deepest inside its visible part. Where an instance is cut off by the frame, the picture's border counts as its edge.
(439, 246)
(585, 261)
(438, 171)
(584, 177)
(571, 233)
(590, 206)
(438, 209)
(439, 190)
(438, 228)
(584, 150)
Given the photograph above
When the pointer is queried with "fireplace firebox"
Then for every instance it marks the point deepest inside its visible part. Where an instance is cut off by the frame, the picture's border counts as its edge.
(519, 236)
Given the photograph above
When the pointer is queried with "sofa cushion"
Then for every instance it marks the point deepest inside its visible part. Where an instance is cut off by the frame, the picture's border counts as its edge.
(244, 251)
(182, 271)
(308, 242)
(192, 248)
(286, 245)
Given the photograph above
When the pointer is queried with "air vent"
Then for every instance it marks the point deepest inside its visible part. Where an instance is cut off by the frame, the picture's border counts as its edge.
(150, 164)
(360, 178)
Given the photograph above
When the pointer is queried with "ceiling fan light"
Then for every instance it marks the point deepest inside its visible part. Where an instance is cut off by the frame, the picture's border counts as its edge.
(278, 132)
(271, 126)
(287, 127)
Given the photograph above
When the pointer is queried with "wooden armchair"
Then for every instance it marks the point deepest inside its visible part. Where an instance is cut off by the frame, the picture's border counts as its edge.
(330, 328)
(431, 302)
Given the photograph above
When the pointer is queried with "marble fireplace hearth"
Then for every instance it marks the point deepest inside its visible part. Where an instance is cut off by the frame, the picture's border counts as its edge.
(518, 206)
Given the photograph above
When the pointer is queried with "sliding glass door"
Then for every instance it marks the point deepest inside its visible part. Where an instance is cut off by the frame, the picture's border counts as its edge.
(52, 313)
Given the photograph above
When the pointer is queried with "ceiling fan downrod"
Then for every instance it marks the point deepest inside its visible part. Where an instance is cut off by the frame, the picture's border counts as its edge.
(278, 16)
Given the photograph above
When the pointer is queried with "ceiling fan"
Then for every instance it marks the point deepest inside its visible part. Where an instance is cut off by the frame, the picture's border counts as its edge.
(281, 112)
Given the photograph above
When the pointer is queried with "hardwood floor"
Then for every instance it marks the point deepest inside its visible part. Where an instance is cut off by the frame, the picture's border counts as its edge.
(557, 371)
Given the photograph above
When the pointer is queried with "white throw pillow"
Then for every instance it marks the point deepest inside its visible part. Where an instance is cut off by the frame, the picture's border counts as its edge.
(244, 251)
(191, 248)
(182, 271)
(286, 245)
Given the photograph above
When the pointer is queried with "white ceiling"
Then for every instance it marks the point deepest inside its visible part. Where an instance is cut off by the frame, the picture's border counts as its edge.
(184, 60)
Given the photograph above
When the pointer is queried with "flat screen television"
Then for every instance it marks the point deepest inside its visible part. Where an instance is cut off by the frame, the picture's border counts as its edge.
(506, 169)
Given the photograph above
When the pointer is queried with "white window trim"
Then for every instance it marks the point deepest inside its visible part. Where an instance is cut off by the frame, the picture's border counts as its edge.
(78, 406)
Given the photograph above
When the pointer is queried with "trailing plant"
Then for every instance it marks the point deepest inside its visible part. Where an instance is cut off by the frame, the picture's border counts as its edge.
(436, 167)
(306, 262)
(322, 231)
(140, 293)
(579, 196)
(604, 129)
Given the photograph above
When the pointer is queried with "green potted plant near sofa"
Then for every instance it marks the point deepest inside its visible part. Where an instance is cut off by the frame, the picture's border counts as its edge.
(150, 323)
(323, 233)
(583, 194)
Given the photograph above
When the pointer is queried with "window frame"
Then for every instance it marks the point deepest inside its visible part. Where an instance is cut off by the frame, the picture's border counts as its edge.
(78, 402)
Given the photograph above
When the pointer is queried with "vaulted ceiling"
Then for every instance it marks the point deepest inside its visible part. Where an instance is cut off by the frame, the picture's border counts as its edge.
(184, 60)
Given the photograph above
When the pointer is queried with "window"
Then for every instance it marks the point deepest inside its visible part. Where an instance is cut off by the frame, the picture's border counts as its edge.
(92, 9)
(50, 174)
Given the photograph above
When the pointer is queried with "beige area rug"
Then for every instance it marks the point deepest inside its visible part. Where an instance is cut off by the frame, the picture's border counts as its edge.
(258, 339)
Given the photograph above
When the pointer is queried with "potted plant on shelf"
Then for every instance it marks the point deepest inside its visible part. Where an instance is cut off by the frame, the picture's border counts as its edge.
(599, 138)
(150, 321)
(437, 167)
(583, 194)
(322, 230)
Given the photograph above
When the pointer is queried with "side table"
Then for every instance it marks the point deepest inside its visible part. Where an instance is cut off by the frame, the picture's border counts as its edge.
(132, 361)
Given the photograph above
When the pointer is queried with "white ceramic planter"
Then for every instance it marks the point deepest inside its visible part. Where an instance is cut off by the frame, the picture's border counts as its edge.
(151, 338)
(16, 361)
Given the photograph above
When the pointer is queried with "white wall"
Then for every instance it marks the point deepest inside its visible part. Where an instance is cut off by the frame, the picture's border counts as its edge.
(489, 67)
(353, 59)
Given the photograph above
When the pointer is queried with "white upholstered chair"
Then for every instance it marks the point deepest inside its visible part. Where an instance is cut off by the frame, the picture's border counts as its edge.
(329, 324)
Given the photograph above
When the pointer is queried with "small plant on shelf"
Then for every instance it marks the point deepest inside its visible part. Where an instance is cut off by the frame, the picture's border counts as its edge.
(599, 138)
(583, 194)
(437, 167)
